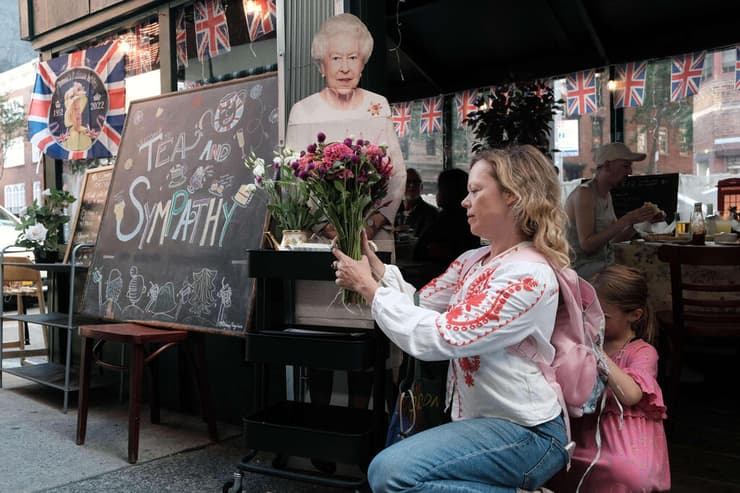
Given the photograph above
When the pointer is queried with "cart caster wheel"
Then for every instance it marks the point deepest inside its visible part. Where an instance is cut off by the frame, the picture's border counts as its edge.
(227, 486)
(233, 485)
(280, 461)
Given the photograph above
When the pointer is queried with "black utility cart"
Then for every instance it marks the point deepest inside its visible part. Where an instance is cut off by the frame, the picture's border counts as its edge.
(297, 428)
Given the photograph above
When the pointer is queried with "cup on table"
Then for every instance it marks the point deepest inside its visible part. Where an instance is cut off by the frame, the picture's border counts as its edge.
(681, 228)
(723, 226)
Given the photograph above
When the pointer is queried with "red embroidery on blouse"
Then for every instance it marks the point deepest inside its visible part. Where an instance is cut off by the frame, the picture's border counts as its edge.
(469, 366)
(374, 109)
(440, 283)
(463, 316)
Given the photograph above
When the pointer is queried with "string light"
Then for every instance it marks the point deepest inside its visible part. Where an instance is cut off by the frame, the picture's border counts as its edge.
(124, 45)
(252, 7)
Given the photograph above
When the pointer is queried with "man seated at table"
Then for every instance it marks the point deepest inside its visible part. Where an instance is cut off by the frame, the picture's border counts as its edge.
(593, 225)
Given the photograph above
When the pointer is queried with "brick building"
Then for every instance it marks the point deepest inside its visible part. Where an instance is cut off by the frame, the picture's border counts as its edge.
(21, 180)
(717, 117)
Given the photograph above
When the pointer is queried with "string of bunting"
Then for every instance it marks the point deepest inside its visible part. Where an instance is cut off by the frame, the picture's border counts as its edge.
(580, 97)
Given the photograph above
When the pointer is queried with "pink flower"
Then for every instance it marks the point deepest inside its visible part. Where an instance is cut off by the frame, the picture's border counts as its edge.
(335, 152)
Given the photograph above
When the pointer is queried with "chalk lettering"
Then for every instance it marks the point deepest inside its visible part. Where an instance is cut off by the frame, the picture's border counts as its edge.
(124, 237)
(148, 145)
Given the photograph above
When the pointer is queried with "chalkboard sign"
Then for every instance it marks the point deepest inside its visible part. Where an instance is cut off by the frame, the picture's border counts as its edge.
(90, 205)
(661, 190)
(181, 211)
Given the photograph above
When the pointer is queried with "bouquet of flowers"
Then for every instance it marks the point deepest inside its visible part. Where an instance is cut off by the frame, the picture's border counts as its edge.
(289, 197)
(40, 223)
(347, 180)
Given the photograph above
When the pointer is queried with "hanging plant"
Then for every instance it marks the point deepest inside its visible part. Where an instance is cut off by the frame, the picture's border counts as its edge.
(514, 113)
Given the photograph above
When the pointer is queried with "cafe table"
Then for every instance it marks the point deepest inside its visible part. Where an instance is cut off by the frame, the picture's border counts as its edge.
(643, 255)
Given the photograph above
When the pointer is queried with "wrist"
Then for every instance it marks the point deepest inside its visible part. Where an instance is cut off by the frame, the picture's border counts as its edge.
(378, 271)
(368, 291)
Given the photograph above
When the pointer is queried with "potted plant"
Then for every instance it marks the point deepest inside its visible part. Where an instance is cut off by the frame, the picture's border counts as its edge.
(289, 199)
(40, 225)
(515, 114)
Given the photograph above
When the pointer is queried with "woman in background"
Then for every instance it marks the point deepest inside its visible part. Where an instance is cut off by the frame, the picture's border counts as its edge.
(450, 234)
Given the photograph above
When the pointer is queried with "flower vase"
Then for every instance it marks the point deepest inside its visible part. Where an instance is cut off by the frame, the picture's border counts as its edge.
(293, 237)
(43, 256)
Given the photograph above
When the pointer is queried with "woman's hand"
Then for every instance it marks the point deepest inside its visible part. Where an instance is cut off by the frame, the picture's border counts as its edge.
(377, 267)
(355, 274)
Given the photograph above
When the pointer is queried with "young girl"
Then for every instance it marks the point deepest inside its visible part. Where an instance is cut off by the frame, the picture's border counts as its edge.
(634, 453)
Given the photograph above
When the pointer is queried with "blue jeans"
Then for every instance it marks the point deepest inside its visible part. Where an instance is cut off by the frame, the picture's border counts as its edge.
(472, 455)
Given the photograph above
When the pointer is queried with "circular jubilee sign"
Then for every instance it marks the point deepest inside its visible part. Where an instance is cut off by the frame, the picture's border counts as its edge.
(78, 109)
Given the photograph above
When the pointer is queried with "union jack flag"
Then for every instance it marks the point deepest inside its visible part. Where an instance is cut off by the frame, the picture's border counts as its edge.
(581, 87)
(431, 115)
(78, 104)
(465, 104)
(181, 38)
(211, 30)
(261, 17)
(686, 73)
(631, 84)
(401, 117)
(737, 68)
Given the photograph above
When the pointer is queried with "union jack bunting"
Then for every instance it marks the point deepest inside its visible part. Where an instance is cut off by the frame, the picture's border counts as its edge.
(78, 104)
(630, 84)
(581, 87)
(401, 117)
(261, 17)
(686, 73)
(211, 30)
(143, 51)
(181, 38)
(431, 115)
(737, 68)
(465, 104)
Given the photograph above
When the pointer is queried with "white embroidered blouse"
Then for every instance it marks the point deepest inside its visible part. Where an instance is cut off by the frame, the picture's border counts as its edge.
(471, 318)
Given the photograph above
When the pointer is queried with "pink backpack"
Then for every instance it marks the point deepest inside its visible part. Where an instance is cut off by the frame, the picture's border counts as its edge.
(578, 339)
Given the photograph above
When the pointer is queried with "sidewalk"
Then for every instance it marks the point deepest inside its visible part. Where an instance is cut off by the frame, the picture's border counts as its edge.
(38, 451)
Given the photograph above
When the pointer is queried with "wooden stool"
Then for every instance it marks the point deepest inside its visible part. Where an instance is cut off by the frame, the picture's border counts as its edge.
(138, 337)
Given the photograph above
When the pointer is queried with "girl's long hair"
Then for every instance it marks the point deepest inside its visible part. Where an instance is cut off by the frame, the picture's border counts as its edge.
(626, 288)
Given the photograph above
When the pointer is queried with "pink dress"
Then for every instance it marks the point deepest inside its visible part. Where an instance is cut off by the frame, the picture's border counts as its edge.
(635, 458)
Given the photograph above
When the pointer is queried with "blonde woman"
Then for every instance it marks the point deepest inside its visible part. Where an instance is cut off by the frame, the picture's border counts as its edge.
(507, 430)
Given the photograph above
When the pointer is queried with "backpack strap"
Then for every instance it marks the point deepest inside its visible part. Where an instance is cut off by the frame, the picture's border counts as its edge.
(528, 348)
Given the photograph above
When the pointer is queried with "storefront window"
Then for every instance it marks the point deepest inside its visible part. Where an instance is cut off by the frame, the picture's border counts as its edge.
(421, 142)
(218, 41)
(583, 128)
